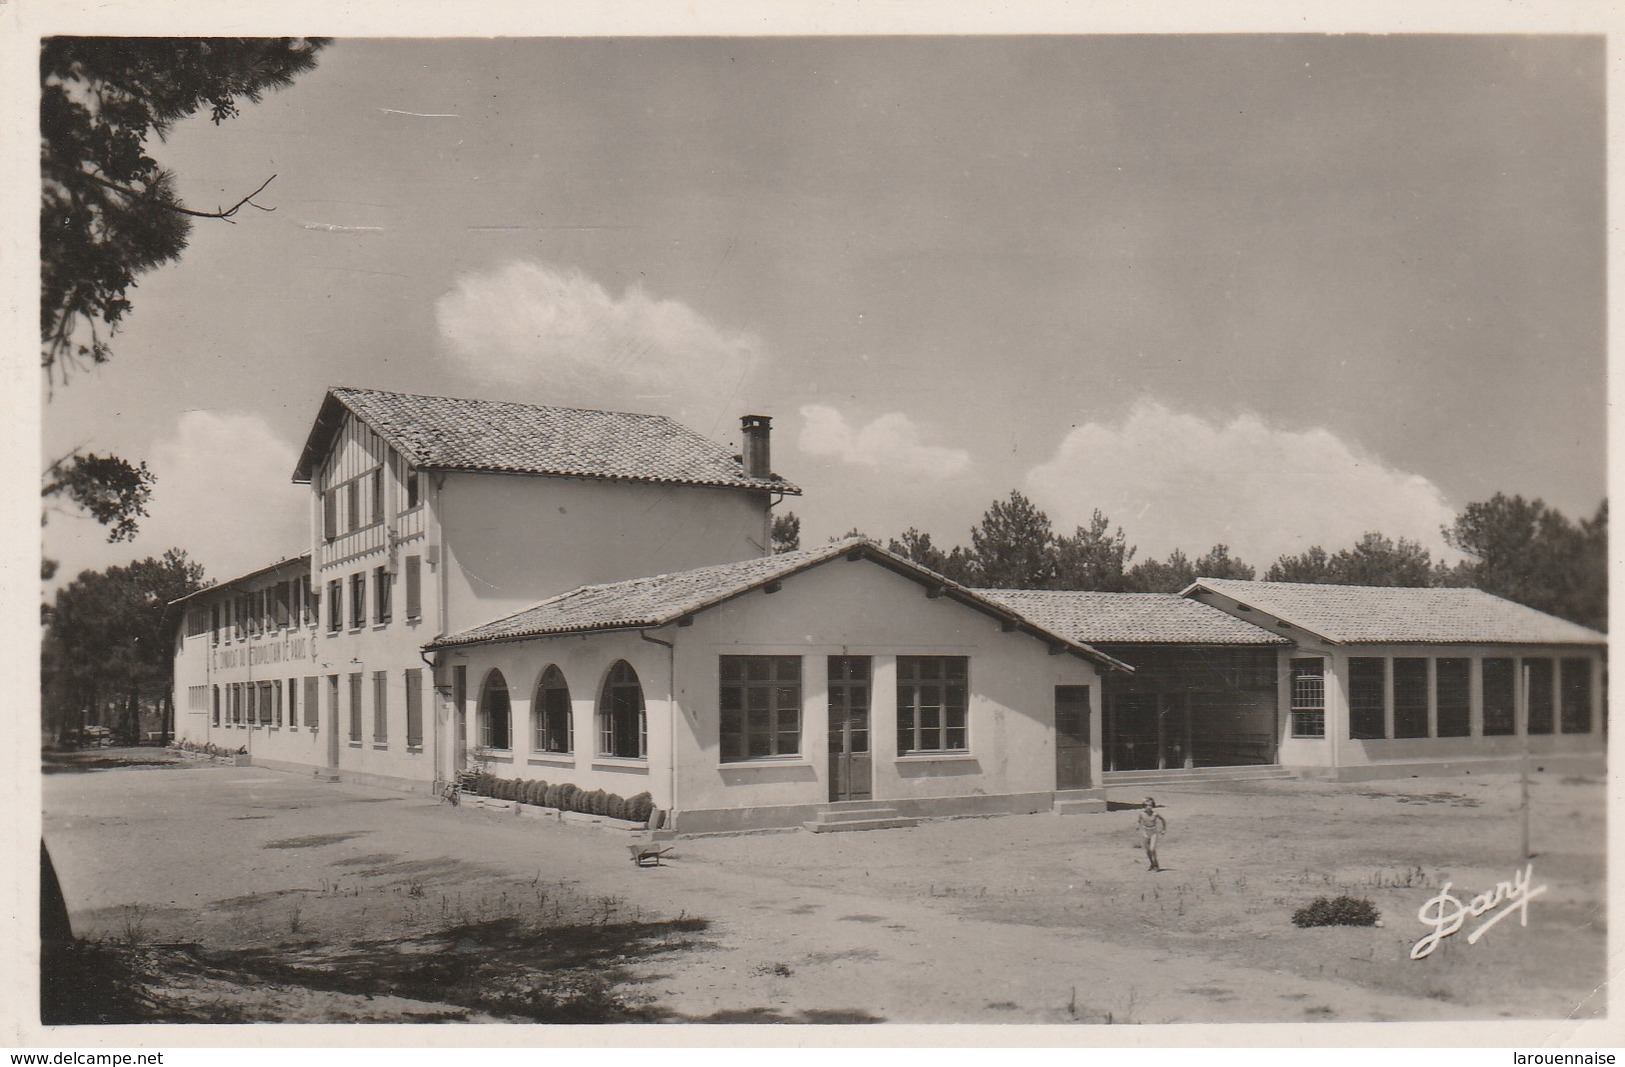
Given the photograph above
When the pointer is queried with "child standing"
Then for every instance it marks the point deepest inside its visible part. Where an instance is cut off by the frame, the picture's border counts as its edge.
(1152, 827)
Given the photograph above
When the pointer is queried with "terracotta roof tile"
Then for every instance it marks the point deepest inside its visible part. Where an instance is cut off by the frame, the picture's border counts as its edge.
(1368, 614)
(1148, 618)
(449, 433)
(666, 598)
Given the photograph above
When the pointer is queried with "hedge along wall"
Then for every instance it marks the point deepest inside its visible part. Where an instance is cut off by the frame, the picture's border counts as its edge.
(565, 797)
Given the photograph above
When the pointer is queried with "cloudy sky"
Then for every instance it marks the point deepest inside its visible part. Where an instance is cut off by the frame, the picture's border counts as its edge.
(1263, 290)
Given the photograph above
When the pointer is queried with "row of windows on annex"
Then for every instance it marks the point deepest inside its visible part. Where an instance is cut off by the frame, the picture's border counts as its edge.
(1559, 696)
(262, 703)
(760, 703)
(359, 502)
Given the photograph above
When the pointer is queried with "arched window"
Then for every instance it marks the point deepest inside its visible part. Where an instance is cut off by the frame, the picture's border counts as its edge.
(622, 730)
(550, 714)
(495, 716)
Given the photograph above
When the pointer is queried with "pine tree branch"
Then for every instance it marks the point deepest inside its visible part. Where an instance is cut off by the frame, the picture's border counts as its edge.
(225, 213)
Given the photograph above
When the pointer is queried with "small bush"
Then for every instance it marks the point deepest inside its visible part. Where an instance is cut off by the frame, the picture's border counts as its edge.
(616, 807)
(1338, 911)
(639, 808)
(600, 802)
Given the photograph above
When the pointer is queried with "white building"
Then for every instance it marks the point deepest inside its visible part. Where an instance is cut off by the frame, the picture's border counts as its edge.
(589, 597)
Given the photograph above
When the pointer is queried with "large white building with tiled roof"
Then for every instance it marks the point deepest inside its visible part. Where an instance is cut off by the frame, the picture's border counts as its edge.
(590, 598)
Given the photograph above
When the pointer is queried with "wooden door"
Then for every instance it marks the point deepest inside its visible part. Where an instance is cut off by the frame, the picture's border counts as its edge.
(1072, 737)
(850, 770)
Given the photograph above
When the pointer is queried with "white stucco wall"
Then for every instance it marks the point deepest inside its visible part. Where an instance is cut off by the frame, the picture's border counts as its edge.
(839, 608)
(512, 540)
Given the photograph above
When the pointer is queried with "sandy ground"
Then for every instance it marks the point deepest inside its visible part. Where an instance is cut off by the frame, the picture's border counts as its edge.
(1034, 918)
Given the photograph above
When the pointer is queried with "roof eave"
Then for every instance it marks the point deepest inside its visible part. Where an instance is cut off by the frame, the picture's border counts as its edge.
(786, 488)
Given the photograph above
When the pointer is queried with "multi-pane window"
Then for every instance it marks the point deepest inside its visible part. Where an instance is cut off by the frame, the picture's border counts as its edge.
(335, 606)
(760, 705)
(931, 704)
(1539, 674)
(550, 714)
(1367, 701)
(383, 584)
(1309, 697)
(414, 708)
(414, 587)
(1453, 696)
(1576, 696)
(1410, 697)
(622, 725)
(355, 707)
(380, 707)
(1500, 697)
(496, 713)
(358, 599)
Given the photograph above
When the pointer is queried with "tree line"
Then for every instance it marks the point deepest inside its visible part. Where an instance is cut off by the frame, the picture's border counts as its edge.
(1519, 549)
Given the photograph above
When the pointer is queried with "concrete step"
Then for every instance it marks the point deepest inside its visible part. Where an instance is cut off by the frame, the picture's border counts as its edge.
(845, 825)
(1194, 776)
(856, 814)
(1080, 806)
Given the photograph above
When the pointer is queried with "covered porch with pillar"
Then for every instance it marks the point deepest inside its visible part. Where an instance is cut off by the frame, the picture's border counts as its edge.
(1190, 706)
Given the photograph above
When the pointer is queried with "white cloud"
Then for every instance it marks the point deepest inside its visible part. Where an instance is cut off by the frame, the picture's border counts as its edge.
(528, 323)
(891, 442)
(1174, 480)
(223, 494)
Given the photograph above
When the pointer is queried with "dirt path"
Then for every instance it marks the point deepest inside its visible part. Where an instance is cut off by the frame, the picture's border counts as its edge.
(1018, 919)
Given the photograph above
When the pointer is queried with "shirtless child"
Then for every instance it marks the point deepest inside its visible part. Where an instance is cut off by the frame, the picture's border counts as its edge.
(1152, 827)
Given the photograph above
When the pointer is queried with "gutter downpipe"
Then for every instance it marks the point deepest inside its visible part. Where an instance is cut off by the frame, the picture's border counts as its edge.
(671, 714)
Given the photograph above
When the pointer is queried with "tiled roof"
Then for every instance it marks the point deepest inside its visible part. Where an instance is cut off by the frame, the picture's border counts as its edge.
(667, 598)
(1359, 614)
(303, 561)
(1140, 618)
(448, 433)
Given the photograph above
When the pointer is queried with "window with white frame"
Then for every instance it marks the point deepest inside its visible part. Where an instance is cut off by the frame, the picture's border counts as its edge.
(622, 721)
(496, 713)
(760, 706)
(550, 714)
(1309, 697)
(932, 704)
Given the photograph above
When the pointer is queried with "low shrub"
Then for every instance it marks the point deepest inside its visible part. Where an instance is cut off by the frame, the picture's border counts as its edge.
(639, 808)
(1337, 911)
(615, 808)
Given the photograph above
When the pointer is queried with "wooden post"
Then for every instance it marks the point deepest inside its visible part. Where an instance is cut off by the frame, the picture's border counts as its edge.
(1524, 731)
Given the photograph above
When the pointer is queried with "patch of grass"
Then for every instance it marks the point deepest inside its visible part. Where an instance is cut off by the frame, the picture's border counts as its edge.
(91, 983)
(312, 840)
(772, 970)
(1337, 911)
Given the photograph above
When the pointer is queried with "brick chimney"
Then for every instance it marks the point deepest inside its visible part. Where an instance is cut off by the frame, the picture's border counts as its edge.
(757, 455)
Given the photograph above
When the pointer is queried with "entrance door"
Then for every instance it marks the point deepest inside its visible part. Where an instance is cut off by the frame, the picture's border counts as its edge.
(1071, 736)
(332, 722)
(850, 776)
